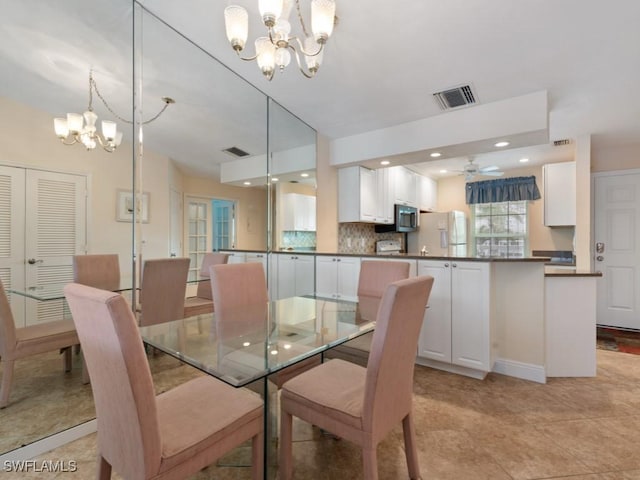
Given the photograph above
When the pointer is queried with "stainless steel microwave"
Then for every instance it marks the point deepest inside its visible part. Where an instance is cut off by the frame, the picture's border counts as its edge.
(406, 218)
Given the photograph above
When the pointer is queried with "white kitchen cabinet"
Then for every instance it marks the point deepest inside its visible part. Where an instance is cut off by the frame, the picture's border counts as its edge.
(394, 258)
(365, 195)
(456, 327)
(337, 277)
(299, 212)
(235, 256)
(295, 275)
(559, 180)
(427, 194)
(404, 186)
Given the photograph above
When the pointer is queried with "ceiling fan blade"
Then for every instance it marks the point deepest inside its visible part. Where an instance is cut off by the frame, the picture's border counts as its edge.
(490, 168)
(492, 174)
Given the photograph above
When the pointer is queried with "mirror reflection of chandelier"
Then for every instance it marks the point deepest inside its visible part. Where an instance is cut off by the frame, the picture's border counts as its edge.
(275, 49)
(81, 128)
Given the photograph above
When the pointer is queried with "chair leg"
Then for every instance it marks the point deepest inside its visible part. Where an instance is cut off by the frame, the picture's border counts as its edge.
(7, 377)
(285, 445)
(411, 447)
(68, 360)
(257, 457)
(85, 372)
(370, 463)
(104, 469)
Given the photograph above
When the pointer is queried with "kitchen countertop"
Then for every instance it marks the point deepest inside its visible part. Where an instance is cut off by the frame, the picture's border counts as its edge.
(569, 273)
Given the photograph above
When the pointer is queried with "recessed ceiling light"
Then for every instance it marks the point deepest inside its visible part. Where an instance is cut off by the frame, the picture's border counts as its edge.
(275, 179)
(247, 183)
(501, 144)
(385, 162)
(304, 175)
(435, 154)
(443, 171)
(274, 352)
(246, 344)
(524, 160)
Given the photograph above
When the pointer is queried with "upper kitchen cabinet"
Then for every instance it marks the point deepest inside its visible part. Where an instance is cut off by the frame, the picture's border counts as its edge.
(363, 195)
(559, 194)
(299, 212)
(427, 194)
(404, 184)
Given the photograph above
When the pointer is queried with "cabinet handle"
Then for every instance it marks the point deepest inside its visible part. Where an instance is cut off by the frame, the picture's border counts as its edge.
(454, 265)
(333, 259)
(339, 259)
(446, 265)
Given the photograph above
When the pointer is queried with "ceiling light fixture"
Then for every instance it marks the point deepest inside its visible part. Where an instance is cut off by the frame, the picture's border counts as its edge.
(274, 50)
(524, 160)
(81, 128)
(304, 175)
(385, 162)
(435, 154)
(443, 171)
(501, 144)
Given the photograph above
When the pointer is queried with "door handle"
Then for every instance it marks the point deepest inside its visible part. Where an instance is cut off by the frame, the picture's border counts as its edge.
(600, 258)
(33, 261)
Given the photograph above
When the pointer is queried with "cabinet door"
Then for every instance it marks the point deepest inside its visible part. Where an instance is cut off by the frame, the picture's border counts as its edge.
(235, 257)
(559, 194)
(368, 195)
(286, 276)
(348, 273)
(384, 206)
(326, 276)
(435, 336)
(304, 280)
(427, 193)
(470, 290)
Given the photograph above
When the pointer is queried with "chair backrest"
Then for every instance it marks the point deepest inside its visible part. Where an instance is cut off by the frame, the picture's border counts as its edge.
(163, 289)
(389, 381)
(99, 271)
(376, 275)
(211, 258)
(7, 325)
(128, 432)
(236, 284)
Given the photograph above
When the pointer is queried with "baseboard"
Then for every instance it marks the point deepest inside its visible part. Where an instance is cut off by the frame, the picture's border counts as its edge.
(40, 447)
(526, 371)
(451, 368)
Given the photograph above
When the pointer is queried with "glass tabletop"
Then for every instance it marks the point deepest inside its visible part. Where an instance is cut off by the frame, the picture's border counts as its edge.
(245, 344)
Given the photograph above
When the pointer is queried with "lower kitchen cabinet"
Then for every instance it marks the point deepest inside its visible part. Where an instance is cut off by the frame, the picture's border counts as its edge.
(456, 327)
(337, 277)
(295, 275)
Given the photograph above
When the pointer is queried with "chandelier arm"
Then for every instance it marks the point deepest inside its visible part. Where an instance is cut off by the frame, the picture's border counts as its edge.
(303, 50)
(247, 59)
(295, 52)
(105, 145)
(73, 137)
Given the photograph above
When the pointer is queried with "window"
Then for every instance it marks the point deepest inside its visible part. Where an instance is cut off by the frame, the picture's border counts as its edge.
(500, 229)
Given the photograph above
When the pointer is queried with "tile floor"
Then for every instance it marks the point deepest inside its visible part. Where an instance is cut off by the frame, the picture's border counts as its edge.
(497, 429)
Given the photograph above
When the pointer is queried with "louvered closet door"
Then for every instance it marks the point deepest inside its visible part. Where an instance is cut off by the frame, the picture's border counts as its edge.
(55, 226)
(12, 236)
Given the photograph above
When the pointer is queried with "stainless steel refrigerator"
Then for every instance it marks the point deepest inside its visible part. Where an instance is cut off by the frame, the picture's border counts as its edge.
(441, 234)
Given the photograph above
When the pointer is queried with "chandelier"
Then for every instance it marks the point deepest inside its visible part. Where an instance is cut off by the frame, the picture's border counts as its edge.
(81, 128)
(274, 50)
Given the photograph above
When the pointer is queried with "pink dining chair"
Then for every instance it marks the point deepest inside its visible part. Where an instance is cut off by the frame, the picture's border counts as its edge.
(202, 303)
(162, 290)
(374, 278)
(99, 270)
(362, 404)
(241, 284)
(17, 343)
(141, 436)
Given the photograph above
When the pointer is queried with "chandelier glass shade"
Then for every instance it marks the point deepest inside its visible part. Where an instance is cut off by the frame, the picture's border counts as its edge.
(81, 128)
(274, 51)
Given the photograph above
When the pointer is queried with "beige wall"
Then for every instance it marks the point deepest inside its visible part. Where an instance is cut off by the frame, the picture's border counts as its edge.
(451, 196)
(326, 200)
(615, 158)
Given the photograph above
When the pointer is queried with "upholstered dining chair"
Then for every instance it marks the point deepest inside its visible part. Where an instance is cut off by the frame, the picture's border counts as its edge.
(374, 278)
(240, 284)
(17, 343)
(142, 436)
(99, 270)
(162, 290)
(202, 303)
(361, 404)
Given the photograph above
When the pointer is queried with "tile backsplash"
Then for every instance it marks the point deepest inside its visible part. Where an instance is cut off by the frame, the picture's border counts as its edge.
(298, 239)
(362, 238)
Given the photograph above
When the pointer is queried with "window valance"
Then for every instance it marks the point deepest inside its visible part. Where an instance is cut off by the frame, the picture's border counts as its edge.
(502, 190)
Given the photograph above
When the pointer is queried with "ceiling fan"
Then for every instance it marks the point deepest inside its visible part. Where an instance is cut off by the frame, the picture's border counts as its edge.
(471, 169)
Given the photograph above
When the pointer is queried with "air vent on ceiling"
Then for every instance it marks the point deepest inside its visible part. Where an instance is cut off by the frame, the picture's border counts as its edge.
(455, 97)
(558, 143)
(236, 152)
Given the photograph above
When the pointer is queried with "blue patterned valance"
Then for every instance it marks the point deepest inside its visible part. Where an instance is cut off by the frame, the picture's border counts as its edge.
(502, 190)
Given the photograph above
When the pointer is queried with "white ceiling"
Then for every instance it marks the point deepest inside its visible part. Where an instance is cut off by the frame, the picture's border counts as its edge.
(381, 67)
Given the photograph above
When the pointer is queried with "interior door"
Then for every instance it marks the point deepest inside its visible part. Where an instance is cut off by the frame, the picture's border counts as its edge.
(617, 251)
(175, 223)
(55, 230)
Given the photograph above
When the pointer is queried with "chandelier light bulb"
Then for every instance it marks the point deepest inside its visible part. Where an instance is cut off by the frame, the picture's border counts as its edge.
(236, 21)
(270, 11)
(74, 122)
(323, 13)
(109, 130)
(266, 52)
(61, 128)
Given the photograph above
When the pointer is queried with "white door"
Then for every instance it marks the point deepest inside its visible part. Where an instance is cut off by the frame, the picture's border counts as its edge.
(198, 232)
(617, 248)
(55, 231)
(12, 259)
(175, 223)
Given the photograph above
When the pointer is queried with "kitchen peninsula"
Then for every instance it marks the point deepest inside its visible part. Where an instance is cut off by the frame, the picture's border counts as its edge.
(485, 314)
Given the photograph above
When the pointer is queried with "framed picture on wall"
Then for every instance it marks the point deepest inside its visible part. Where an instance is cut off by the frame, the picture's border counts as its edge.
(125, 206)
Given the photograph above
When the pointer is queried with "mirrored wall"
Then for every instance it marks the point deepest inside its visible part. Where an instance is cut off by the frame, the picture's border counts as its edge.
(200, 176)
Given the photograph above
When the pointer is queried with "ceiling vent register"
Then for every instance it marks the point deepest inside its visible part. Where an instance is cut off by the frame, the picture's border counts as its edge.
(236, 152)
(455, 97)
